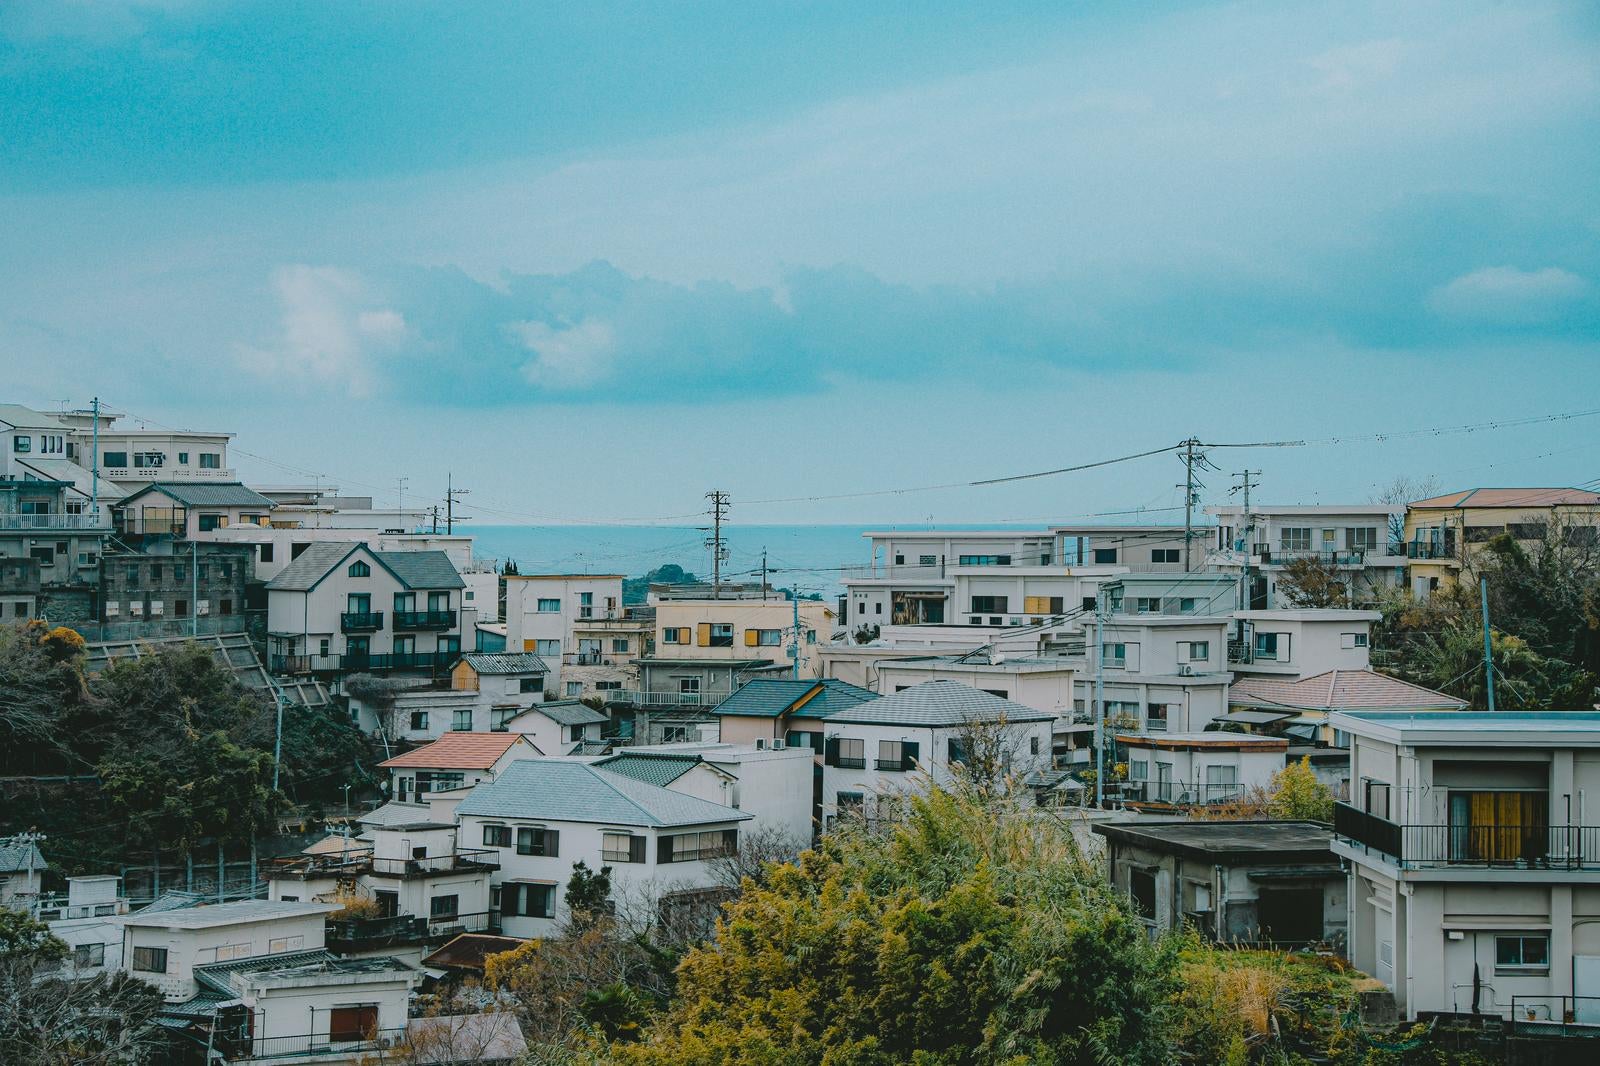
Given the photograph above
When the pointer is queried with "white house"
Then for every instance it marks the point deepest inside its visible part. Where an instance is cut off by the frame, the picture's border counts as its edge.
(560, 727)
(544, 815)
(349, 607)
(1474, 863)
(1303, 642)
(455, 760)
(1187, 769)
(1362, 542)
(164, 948)
(543, 609)
(898, 743)
(768, 780)
(135, 457)
(186, 509)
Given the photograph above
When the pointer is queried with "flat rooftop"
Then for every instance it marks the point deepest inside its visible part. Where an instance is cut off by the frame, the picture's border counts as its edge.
(211, 915)
(1275, 843)
(1473, 727)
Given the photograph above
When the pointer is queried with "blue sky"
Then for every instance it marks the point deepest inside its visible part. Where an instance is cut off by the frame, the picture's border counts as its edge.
(597, 259)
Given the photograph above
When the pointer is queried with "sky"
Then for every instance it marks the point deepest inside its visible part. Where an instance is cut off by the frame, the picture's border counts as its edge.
(594, 260)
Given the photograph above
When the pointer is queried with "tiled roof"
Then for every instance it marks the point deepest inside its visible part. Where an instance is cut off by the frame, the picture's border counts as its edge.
(569, 712)
(775, 697)
(939, 704)
(423, 570)
(457, 751)
(214, 977)
(310, 566)
(1546, 497)
(1339, 690)
(511, 662)
(651, 767)
(16, 858)
(467, 951)
(566, 790)
(208, 494)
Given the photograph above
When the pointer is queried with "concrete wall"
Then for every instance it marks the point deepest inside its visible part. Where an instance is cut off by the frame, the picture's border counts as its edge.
(188, 948)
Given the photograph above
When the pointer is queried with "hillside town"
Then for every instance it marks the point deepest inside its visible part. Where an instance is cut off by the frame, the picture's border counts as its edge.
(1249, 727)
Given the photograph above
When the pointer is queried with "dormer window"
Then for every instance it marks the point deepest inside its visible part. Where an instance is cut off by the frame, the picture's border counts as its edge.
(360, 569)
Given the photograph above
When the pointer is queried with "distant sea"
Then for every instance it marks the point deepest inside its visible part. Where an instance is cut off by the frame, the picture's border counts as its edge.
(810, 556)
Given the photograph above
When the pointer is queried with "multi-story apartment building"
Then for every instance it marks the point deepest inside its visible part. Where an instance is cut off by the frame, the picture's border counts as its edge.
(1301, 642)
(185, 510)
(1444, 533)
(1359, 541)
(543, 611)
(719, 631)
(604, 651)
(343, 608)
(130, 458)
(1474, 860)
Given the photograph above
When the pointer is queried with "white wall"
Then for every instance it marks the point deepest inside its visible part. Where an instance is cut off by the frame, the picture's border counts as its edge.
(188, 948)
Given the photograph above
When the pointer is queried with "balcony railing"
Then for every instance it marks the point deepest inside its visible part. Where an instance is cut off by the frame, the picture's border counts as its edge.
(1270, 556)
(400, 660)
(1533, 846)
(237, 1048)
(640, 698)
(55, 521)
(1180, 793)
(427, 866)
(423, 619)
(589, 658)
(1421, 549)
(360, 621)
(1566, 1016)
(401, 930)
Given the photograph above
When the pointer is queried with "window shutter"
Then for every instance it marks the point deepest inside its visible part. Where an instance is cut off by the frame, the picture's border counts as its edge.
(908, 754)
(636, 847)
(830, 752)
(663, 849)
(752, 638)
(552, 843)
(730, 841)
(702, 634)
(524, 841)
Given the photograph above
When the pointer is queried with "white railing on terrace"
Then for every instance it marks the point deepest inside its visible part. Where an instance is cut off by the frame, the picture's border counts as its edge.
(167, 473)
(55, 520)
(661, 698)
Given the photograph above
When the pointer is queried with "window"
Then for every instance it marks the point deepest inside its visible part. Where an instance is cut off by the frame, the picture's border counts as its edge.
(1377, 797)
(1194, 651)
(1352, 640)
(984, 560)
(680, 634)
(1361, 538)
(850, 802)
(927, 560)
(892, 755)
(324, 646)
(149, 460)
(150, 960)
(547, 647)
(117, 459)
(1526, 530)
(210, 461)
(1142, 889)
(847, 753)
(297, 550)
(1222, 782)
(439, 780)
(497, 836)
(1033, 745)
(349, 1024)
(673, 734)
(225, 606)
(405, 601)
(1147, 605)
(537, 840)
(1164, 555)
(771, 638)
(461, 720)
(200, 570)
(574, 688)
(500, 718)
(1295, 539)
(621, 847)
(1114, 655)
(278, 945)
(619, 645)
(444, 906)
(1105, 555)
(419, 721)
(1138, 770)
(264, 553)
(1155, 717)
(89, 955)
(530, 684)
(229, 952)
(22, 443)
(1186, 605)
(899, 559)
(360, 569)
(180, 608)
(689, 847)
(798, 738)
(608, 686)
(1270, 648)
(990, 604)
(721, 635)
(549, 607)
(811, 636)
(523, 900)
(1522, 952)
(183, 458)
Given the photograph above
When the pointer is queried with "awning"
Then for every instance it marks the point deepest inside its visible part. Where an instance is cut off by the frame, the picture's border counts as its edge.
(1255, 717)
(1296, 873)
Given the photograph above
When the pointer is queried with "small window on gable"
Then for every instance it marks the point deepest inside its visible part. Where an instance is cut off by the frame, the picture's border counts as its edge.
(360, 569)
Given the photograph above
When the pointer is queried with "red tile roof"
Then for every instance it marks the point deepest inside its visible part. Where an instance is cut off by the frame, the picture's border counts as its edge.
(1513, 498)
(457, 751)
(1339, 690)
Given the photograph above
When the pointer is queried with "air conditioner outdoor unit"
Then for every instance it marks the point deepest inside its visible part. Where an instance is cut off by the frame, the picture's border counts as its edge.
(778, 745)
(761, 744)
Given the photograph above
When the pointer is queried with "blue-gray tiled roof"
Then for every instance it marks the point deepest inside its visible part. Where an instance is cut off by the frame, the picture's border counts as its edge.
(652, 767)
(566, 790)
(940, 704)
(773, 697)
(512, 662)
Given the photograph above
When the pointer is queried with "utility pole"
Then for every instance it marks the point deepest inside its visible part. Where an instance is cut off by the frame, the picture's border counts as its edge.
(763, 575)
(94, 461)
(1242, 542)
(435, 510)
(450, 494)
(400, 501)
(277, 736)
(719, 507)
(194, 575)
(794, 598)
(1488, 657)
(1099, 699)
(1191, 459)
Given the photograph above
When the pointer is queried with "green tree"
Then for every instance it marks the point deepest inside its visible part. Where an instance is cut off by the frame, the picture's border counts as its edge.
(962, 935)
(1310, 582)
(1297, 794)
(588, 896)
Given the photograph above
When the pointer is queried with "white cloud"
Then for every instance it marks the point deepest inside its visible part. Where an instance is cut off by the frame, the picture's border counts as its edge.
(1507, 294)
(569, 356)
(330, 330)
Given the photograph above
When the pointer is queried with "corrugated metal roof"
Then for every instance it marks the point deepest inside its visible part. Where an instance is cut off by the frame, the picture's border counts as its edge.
(569, 712)
(566, 790)
(774, 697)
(1339, 690)
(457, 751)
(939, 704)
(511, 662)
(653, 768)
(207, 494)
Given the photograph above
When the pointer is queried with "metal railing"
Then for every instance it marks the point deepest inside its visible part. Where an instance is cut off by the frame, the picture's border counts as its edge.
(641, 698)
(1576, 1016)
(465, 859)
(362, 934)
(1269, 556)
(1179, 793)
(587, 658)
(400, 660)
(360, 621)
(246, 1048)
(54, 521)
(1430, 550)
(423, 619)
(1534, 846)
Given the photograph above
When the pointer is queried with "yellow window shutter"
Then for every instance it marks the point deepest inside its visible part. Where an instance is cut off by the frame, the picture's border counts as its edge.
(530, 645)
(752, 638)
(702, 634)
(1034, 605)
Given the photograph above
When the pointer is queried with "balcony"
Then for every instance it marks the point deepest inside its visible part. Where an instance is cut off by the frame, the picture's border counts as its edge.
(1268, 556)
(640, 698)
(1179, 793)
(1420, 549)
(55, 521)
(404, 930)
(422, 620)
(304, 867)
(589, 658)
(1517, 847)
(401, 660)
(360, 621)
(233, 1047)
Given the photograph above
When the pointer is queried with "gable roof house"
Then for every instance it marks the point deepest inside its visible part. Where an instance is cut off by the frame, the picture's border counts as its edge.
(544, 815)
(558, 727)
(764, 709)
(455, 760)
(345, 608)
